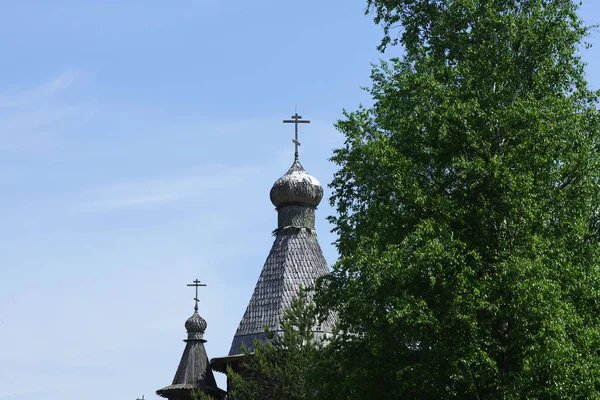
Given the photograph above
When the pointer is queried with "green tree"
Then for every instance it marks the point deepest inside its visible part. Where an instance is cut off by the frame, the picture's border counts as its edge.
(200, 395)
(282, 368)
(467, 210)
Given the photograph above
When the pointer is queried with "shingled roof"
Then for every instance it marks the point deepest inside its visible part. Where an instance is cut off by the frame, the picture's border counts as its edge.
(194, 372)
(295, 259)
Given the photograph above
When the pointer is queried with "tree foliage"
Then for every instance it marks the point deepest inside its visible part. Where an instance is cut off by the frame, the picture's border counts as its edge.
(201, 395)
(282, 368)
(467, 210)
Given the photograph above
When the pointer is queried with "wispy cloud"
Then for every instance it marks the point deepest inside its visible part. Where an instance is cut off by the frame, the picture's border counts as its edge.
(41, 92)
(31, 119)
(156, 192)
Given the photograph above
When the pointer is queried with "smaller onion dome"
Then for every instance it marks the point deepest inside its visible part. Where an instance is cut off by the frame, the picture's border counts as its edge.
(296, 187)
(195, 326)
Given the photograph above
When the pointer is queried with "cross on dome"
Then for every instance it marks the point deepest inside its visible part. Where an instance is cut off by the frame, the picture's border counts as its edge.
(296, 119)
(197, 284)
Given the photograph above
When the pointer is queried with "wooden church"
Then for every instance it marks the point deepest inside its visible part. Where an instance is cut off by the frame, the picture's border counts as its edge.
(295, 260)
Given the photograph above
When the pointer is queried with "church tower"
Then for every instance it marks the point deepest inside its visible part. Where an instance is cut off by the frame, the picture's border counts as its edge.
(295, 260)
(194, 372)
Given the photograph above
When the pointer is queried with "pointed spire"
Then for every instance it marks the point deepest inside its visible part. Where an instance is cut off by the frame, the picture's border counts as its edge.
(194, 372)
(295, 260)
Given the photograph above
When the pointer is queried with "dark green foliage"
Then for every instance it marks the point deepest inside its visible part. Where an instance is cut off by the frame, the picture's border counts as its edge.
(283, 368)
(199, 395)
(468, 202)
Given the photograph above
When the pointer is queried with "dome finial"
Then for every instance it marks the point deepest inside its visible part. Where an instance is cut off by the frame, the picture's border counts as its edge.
(195, 325)
(296, 119)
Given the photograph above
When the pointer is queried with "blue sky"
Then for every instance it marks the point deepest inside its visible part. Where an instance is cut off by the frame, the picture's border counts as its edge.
(138, 144)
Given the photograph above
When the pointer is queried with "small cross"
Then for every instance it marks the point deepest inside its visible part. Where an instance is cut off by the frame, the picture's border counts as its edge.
(197, 284)
(296, 119)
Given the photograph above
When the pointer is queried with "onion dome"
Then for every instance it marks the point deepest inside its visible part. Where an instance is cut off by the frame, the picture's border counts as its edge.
(195, 326)
(296, 187)
(193, 373)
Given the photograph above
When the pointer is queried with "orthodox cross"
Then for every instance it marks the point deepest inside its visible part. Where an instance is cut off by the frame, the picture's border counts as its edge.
(296, 119)
(197, 284)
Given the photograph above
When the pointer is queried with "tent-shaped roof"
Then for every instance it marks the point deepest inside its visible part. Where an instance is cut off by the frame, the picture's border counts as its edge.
(295, 260)
(194, 372)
